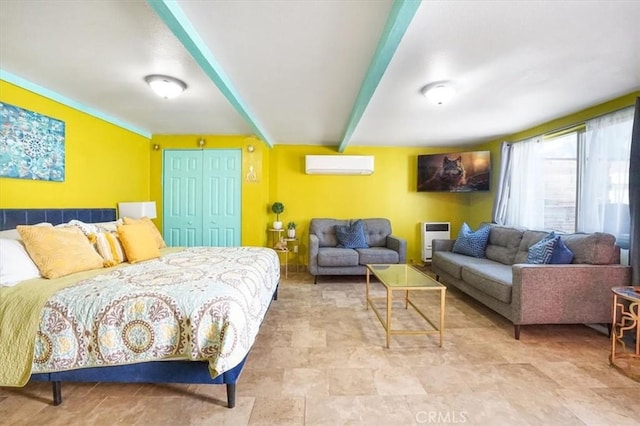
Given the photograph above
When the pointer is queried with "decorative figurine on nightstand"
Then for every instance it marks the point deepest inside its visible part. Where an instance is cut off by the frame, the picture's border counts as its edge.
(281, 245)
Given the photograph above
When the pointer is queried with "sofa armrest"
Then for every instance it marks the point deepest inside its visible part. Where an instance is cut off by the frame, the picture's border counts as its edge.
(314, 246)
(442, 245)
(557, 294)
(398, 244)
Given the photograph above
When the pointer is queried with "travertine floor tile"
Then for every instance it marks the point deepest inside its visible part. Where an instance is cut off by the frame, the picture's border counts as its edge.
(351, 381)
(305, 382)
(593, 409)
(358, 410)
(278, 411)
(397, 381)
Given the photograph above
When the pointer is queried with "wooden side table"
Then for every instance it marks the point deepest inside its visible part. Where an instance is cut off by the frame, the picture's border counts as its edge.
(626, 319)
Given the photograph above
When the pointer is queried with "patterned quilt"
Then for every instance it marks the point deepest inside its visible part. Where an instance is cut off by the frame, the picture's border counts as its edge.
(203, 303)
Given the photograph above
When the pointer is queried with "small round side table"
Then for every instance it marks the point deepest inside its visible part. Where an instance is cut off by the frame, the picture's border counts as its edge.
(626, 319)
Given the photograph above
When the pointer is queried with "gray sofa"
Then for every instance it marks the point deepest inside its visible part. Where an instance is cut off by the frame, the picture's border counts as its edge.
(576, 293)
(325, 258)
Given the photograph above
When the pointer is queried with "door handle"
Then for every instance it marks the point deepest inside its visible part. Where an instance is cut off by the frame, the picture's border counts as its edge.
(189, 223)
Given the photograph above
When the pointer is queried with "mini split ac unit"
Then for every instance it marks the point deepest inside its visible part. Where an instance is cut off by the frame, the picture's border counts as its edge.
(339, 164)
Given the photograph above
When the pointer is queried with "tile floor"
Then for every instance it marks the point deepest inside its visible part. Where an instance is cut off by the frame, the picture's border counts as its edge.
(320, 360)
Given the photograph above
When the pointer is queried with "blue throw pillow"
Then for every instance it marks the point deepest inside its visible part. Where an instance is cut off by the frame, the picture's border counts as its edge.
(540, 253)
(561, 254)
(471, 243)
(351, 236)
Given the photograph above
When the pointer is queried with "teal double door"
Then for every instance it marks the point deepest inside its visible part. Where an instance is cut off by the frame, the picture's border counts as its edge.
(202, 197)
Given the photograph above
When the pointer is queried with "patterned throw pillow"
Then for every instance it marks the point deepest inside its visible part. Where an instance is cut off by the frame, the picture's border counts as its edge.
(561, 254)
(471, 243)
(87, 229)
(540, 253)
(109, 226)
(110, 248)
(351, 236)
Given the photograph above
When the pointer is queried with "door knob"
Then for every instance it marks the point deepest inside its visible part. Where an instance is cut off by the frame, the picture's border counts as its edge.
(189, 223)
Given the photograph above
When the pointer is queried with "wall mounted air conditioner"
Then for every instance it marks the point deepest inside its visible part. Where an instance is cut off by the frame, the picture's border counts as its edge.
(338, 164)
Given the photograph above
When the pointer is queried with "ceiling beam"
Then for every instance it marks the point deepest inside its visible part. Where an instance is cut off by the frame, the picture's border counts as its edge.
(402, 12)
(181, 26)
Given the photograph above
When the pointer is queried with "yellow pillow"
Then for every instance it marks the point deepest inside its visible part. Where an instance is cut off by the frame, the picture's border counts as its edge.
(110, 248)
(138, 242)
(147, 222)
(59, 251)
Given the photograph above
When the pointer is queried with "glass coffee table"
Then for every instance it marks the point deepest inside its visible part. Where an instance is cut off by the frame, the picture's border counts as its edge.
(407, 278)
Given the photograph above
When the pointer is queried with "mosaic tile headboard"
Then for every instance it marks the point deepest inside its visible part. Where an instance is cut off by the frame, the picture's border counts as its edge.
(10, 218)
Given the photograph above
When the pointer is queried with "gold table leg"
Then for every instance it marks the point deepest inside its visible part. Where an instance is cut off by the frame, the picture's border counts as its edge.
(613, 328)
(442, 298)
(366, 297)
(389, 301)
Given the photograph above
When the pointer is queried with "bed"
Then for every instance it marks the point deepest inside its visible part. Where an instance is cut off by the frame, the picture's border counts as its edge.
(190, 316)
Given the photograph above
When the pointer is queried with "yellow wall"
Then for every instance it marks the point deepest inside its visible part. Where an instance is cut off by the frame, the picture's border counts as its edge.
(104, 164)
(255, 195)
(481, 205)
(390, 192)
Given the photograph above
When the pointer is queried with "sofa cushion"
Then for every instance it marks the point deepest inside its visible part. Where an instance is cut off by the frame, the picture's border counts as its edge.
(376, 231)
(452, 263)
(596, 249)
(493, 279)
(562, 255)
(332, 256)
(529, 238)
(471, 243)
(351, 236)
(325, 230)
(503, 244)
(540, 253)
(375, 255)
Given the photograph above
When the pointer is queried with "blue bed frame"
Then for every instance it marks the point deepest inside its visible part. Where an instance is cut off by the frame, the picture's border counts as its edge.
(148, 372)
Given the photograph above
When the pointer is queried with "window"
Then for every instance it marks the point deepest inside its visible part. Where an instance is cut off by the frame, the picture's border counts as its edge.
(560, 175)
(576, 180)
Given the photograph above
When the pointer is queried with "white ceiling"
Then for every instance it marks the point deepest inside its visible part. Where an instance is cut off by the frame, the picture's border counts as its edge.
(298, 65)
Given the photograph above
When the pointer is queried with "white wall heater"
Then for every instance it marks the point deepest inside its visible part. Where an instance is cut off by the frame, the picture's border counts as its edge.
(430, 231)
(338, 164)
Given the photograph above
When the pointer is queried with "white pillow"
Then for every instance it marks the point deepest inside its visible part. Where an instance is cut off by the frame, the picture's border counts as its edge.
(12, 234)
(15, 263)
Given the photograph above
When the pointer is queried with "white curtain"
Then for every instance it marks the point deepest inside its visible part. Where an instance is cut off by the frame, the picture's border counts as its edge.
(525, 206)
(604, 196)
(500, 203)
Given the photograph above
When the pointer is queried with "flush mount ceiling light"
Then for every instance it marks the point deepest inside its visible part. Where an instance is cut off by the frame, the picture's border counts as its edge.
(439, 93)
(165, 86)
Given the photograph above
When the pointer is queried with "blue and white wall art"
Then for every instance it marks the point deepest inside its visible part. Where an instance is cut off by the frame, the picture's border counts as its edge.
(31, 145)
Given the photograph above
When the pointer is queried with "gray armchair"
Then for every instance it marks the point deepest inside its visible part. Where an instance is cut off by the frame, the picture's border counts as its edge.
(326, 258)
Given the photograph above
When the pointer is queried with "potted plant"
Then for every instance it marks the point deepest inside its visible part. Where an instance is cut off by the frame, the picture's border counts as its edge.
(277, 208)
(291, 229)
